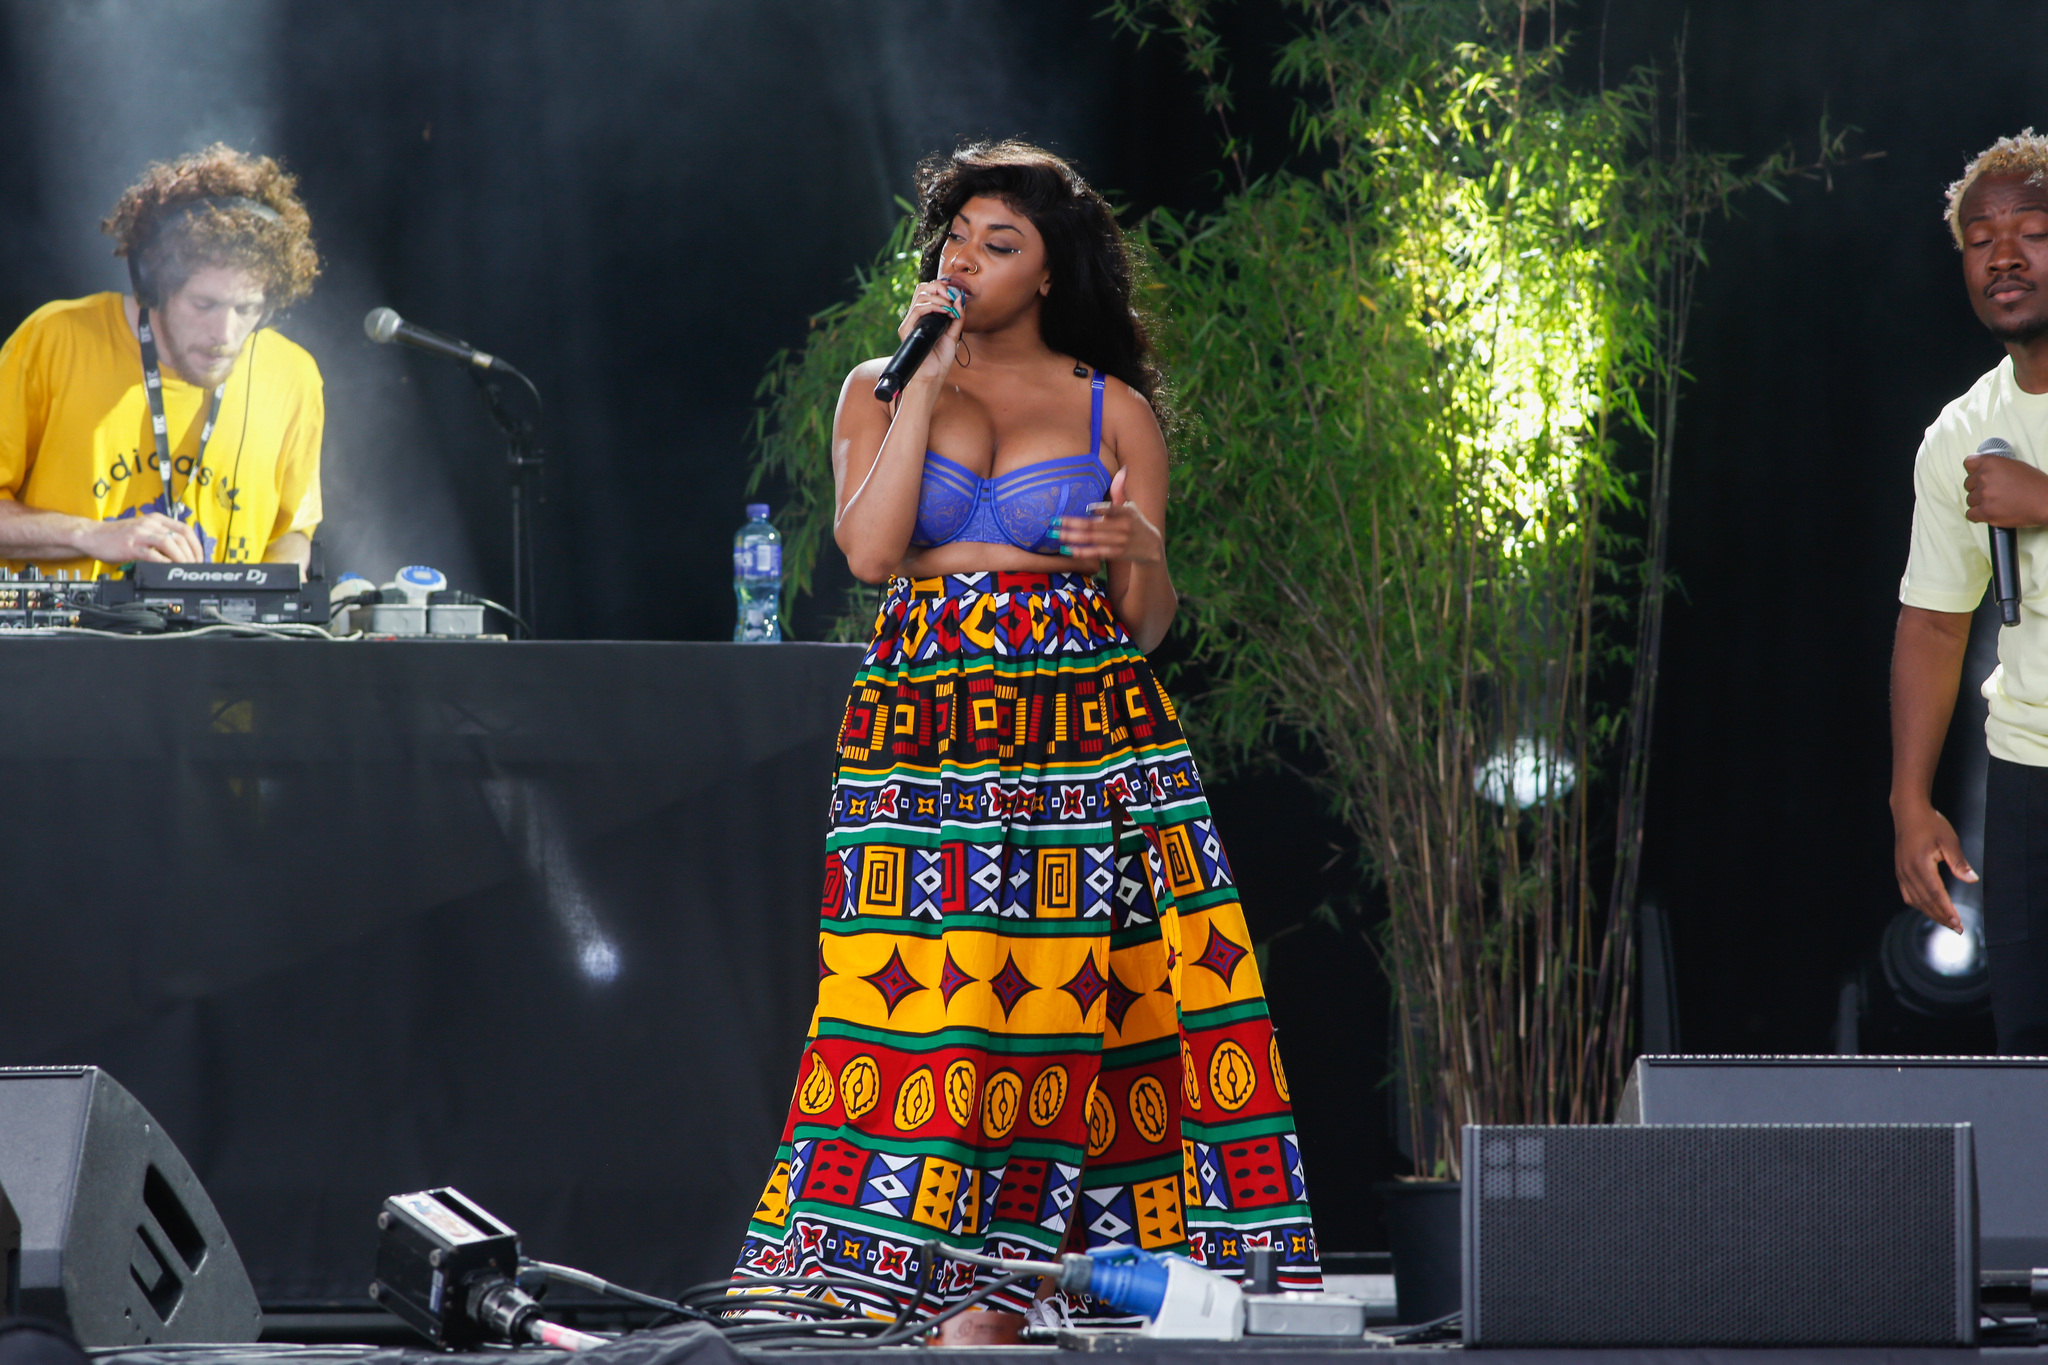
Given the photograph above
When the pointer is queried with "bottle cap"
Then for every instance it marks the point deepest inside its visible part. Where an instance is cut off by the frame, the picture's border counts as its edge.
(757, 511)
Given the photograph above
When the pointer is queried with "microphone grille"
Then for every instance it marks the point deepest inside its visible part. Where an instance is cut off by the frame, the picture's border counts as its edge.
(381, 324)
(1994, 445)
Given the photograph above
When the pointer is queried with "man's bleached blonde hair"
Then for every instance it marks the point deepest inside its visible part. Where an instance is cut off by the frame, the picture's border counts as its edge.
(2025, 156)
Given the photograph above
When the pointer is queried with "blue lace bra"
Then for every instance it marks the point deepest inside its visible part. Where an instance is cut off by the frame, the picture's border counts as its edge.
(1014, 508)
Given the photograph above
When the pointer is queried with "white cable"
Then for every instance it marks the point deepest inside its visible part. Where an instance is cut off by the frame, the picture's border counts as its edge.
(998, 1263)
(232, 628)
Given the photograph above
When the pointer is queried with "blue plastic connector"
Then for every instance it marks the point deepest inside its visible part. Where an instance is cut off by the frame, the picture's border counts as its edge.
(1128, 1279)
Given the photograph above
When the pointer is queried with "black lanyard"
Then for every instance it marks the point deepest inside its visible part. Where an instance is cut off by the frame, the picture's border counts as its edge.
(153, 387)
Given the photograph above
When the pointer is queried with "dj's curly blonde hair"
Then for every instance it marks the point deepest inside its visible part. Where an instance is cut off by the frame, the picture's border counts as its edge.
(155, 216)
(2025, 156)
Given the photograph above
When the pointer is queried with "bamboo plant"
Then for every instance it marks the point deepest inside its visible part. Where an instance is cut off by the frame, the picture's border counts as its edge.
(1425, 401)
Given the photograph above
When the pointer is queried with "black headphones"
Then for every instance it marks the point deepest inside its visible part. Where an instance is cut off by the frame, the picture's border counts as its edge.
(143, 278)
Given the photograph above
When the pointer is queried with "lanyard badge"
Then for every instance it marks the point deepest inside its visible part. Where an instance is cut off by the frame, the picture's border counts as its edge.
(153, 388)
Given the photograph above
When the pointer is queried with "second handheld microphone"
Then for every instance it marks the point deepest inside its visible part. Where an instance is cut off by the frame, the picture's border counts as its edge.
(2005, 553)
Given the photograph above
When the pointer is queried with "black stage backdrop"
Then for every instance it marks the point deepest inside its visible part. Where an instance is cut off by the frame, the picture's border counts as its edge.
(640, 202)
(1829, 335)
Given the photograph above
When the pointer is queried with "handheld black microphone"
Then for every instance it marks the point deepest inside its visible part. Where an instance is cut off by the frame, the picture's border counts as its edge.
(384, 327)
(2005, 552)
(924, 335)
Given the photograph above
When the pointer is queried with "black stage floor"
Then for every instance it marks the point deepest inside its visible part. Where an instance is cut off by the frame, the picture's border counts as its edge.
(675, 1347)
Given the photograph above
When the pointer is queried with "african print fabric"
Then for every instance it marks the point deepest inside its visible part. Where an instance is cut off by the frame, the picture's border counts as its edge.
(1040, 1024)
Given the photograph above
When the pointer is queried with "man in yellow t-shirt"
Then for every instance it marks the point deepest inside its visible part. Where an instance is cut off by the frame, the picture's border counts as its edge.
(216, 243)
(1998, 214)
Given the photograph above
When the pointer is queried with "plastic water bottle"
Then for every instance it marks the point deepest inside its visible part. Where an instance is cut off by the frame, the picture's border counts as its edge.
(757, 578)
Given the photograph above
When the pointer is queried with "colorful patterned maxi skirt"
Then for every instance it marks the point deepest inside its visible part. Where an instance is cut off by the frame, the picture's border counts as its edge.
(1039, 1024)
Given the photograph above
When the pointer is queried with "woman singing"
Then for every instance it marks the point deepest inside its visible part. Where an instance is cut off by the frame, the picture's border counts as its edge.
(1039, 1022)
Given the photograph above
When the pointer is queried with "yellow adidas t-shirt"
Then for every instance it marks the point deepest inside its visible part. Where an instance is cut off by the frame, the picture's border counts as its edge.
(75, 434)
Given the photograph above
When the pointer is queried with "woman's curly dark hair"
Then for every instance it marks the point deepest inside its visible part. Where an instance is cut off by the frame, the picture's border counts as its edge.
(1088, 314)
(154, 216)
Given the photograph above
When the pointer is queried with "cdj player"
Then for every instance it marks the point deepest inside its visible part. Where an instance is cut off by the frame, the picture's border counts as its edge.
(151, 598)
(203, 594)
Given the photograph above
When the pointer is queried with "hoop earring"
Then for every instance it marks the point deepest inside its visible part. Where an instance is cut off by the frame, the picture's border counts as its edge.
(965, 357)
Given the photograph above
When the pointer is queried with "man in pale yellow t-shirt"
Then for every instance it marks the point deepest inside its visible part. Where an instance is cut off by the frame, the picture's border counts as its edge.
(216, 243)
(1998, 214)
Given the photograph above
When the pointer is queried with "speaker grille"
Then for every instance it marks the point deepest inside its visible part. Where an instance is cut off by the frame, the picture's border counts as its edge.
(2001, 1098)
(1749, 1235)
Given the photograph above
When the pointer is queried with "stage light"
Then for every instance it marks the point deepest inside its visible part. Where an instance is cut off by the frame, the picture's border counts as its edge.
(599, 959)
(1524, 772)
(1950, 953)
(1935, 971)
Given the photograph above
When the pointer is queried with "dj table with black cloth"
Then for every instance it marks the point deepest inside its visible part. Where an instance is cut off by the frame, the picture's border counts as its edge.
(534, 920)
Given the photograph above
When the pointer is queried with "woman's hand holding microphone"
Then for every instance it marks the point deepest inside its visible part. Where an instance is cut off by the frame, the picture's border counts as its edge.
(940, 299)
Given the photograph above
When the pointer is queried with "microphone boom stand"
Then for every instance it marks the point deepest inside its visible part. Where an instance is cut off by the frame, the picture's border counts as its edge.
(524, 456)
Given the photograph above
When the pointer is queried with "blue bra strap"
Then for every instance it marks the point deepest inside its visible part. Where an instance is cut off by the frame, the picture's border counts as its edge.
(1095, 415)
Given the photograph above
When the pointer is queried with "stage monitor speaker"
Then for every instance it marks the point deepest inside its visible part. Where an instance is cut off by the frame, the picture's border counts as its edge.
(118, 1240)
(2004, 1099)
(1732, 1235)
